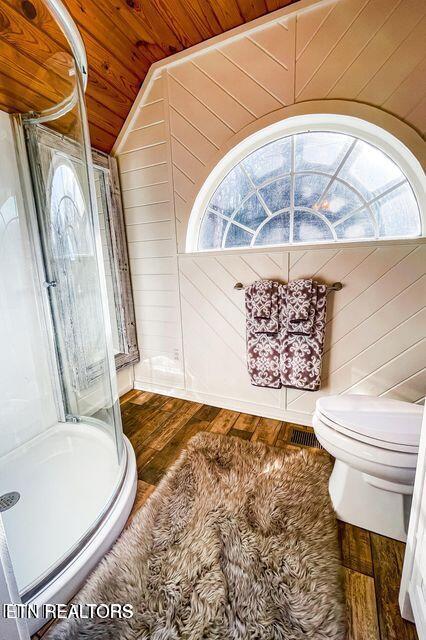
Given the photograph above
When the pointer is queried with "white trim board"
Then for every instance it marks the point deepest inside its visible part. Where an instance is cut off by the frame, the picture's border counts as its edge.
(252, 408)
(297, 248)
(238, 32)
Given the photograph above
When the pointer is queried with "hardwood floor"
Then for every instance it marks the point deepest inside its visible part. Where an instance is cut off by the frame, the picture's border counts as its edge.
(159, 428)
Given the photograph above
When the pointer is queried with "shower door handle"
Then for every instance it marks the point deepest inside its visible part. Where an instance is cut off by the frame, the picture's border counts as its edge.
(50, 284)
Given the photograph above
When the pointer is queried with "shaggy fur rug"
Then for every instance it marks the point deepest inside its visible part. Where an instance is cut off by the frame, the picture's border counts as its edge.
(238, 542)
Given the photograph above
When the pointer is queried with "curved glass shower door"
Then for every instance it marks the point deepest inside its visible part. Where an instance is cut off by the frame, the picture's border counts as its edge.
(69, 234)
(62, 451)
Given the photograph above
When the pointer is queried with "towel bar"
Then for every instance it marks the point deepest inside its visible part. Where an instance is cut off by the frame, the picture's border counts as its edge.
(336, 286)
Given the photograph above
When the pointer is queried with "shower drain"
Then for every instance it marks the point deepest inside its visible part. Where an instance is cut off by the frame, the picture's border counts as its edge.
(8, 500)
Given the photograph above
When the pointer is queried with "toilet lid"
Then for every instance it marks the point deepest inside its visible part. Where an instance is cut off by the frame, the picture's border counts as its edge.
(355, 435)
(387, 420)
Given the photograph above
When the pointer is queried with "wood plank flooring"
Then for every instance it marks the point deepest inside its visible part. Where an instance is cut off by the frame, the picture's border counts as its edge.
(159, 428)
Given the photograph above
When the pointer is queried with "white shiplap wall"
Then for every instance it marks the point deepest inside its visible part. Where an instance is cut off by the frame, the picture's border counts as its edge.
(190, 320)
(147, 187)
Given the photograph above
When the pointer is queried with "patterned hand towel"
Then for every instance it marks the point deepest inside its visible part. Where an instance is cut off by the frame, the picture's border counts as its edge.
(262, 306)
(299, 295)
(261, 298)
(305, 327)
(301, 354)
(263, 340)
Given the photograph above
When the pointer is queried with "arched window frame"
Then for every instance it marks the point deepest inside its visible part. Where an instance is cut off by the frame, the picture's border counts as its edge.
(352, 125)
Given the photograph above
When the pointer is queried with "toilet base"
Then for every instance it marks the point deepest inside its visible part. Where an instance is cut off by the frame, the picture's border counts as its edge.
(358, 502)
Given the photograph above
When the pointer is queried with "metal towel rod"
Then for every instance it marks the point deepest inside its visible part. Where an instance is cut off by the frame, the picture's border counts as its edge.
(336, 286)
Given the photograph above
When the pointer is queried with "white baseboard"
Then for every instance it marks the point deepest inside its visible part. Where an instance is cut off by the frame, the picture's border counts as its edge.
(227, 403)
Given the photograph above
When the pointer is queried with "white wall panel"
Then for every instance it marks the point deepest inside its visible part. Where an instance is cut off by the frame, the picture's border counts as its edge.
(145, 298)
(147, 136)
(151, 194)
(213, 323)
(191, 137)
(125, 379)
(27, 396)
(378, 309)
(145, 177)
(152, 113)
(141, 158)
(412, 389)
(267, 71)
(237, 82)
(152, 249)
(146, 180)
(212, 95)
(277, 41)
(191, 322)
(153, 212)
(148, 231)
(153, 266)
(203, 118)
(158, 313)
(364, 50)
(185, 159)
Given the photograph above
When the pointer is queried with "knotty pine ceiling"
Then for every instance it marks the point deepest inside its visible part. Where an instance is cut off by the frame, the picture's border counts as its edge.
(122, 38)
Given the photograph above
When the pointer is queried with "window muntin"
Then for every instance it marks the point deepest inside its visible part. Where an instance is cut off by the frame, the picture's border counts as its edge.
(317, 186)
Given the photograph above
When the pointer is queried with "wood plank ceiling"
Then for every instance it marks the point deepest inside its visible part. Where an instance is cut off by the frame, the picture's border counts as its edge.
(122, 38)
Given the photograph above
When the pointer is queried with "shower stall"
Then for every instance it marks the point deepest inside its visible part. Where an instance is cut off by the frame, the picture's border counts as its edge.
(67, 473)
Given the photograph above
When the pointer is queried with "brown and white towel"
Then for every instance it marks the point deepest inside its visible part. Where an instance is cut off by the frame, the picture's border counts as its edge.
(302, 326)
(261, 298)
(302, 341)
(285, 333)
(262, 327)
(265, 308)
(298, 299)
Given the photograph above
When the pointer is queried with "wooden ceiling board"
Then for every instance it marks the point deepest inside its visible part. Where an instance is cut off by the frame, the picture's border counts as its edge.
(122, 38)
(36, 13)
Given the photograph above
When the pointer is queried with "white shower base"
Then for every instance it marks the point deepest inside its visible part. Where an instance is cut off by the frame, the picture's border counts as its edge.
(69, 480)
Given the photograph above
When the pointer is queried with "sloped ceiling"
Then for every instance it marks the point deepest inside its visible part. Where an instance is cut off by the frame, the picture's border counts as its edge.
(122, 38)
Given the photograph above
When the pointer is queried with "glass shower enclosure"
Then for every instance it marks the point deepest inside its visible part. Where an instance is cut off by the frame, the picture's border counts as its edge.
(67, 474)
(74, 279)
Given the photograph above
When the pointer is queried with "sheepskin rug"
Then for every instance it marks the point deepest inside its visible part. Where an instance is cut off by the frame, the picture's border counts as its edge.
(238, 541)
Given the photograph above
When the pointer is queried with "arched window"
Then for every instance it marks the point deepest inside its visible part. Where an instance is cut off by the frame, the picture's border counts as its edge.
(309, 187)
(69, 217)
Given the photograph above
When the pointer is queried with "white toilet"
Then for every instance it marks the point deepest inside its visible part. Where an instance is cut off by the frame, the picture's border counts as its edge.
(375, 442)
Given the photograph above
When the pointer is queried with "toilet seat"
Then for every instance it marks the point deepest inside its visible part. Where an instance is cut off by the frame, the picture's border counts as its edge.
(355, 435)
(389, 424)
(367, 457)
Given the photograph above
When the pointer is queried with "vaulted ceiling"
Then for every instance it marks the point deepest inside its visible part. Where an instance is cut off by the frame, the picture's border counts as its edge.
(122, 38)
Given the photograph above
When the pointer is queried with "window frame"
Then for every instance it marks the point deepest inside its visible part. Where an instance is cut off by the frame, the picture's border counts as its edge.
(350, 125)
(119, 258)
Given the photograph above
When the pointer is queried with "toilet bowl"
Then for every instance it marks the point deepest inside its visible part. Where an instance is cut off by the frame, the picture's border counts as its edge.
(375, 443)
